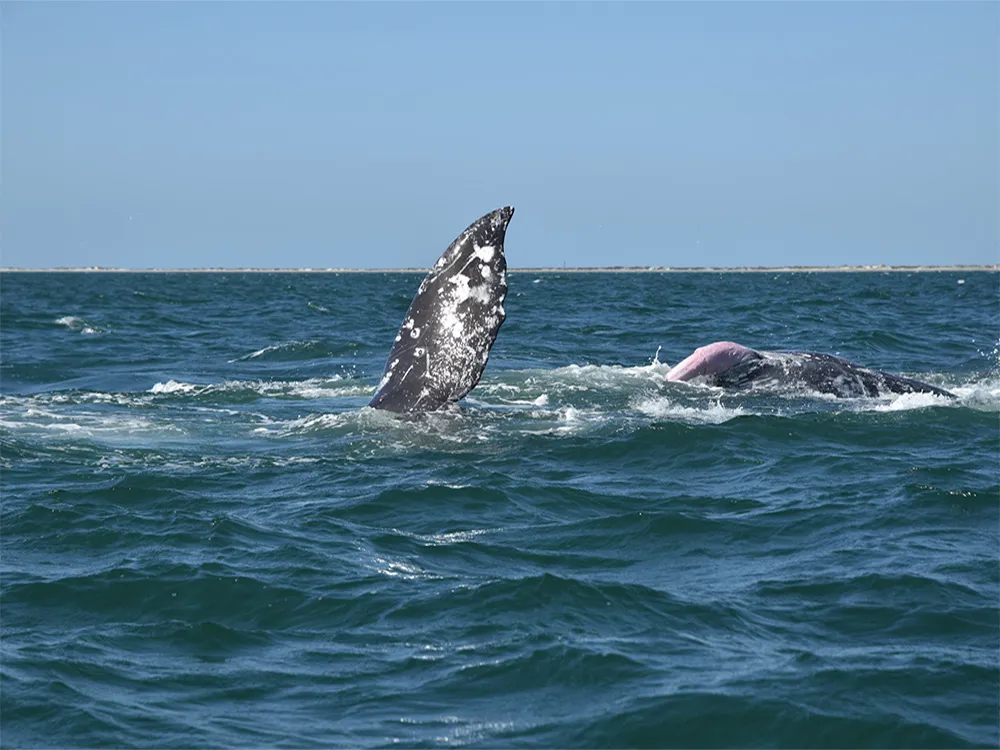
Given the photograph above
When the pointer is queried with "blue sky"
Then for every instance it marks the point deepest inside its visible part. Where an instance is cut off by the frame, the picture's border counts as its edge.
(368, 135)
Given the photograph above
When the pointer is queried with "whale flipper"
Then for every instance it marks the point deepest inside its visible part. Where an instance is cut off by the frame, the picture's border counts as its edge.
(442, 347)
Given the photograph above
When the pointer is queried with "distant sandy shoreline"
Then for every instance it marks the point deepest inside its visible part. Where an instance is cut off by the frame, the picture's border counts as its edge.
(609, 269)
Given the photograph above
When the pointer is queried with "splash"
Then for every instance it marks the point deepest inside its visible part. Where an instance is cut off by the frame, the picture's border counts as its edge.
(172, 386)
(907, 401)
(313, 388)
(663, 408)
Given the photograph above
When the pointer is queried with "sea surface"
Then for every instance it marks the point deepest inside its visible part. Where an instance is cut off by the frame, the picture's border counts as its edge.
(208, 539)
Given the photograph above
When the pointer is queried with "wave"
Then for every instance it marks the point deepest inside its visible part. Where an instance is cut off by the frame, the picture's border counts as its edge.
(565, 402)
(172, 386)
(334, 386)
(48, 423)
(288, 351)
(74, 323)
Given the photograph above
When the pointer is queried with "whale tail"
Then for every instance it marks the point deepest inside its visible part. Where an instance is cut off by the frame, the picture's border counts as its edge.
(444, 342)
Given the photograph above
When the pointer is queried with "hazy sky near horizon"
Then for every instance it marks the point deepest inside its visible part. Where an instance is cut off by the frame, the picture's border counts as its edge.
(286, 134)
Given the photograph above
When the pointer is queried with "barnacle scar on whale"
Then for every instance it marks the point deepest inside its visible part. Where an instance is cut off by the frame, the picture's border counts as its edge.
(442, 347)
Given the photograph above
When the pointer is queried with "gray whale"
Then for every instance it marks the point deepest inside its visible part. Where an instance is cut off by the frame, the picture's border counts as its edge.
(444, 342)
(730, 365)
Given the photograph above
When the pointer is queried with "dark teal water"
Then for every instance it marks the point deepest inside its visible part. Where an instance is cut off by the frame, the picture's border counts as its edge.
(208, 540)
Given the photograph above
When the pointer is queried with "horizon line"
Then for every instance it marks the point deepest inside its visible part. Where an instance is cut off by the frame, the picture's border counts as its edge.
(527, 269)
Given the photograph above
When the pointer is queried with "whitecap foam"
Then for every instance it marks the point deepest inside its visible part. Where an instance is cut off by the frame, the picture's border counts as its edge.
(601, 377)
(907, 401)
(542, 400)
(565, 420)
(312, 388)
(662, 407)
(314, 423)
(172, 386)
(983, 395)
(103, 426)
(570, 414)
(74, 323)
(71, 322)
(309, 390)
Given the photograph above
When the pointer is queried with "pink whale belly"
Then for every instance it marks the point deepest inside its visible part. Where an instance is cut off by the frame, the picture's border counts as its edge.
(711, 360)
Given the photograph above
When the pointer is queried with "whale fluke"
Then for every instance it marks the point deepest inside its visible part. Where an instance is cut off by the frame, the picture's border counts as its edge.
(442, 347)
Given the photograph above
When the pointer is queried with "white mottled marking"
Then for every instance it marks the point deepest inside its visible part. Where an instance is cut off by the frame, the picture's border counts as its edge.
(461, 283)
(485, 253)
(414, 333)
(486, 272)
(481, 294)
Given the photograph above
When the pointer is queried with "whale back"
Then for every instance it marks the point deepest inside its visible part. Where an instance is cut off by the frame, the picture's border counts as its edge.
(444, 342)
(823, 373)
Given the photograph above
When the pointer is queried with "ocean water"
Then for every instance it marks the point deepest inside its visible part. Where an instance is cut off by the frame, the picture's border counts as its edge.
(208, 540)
